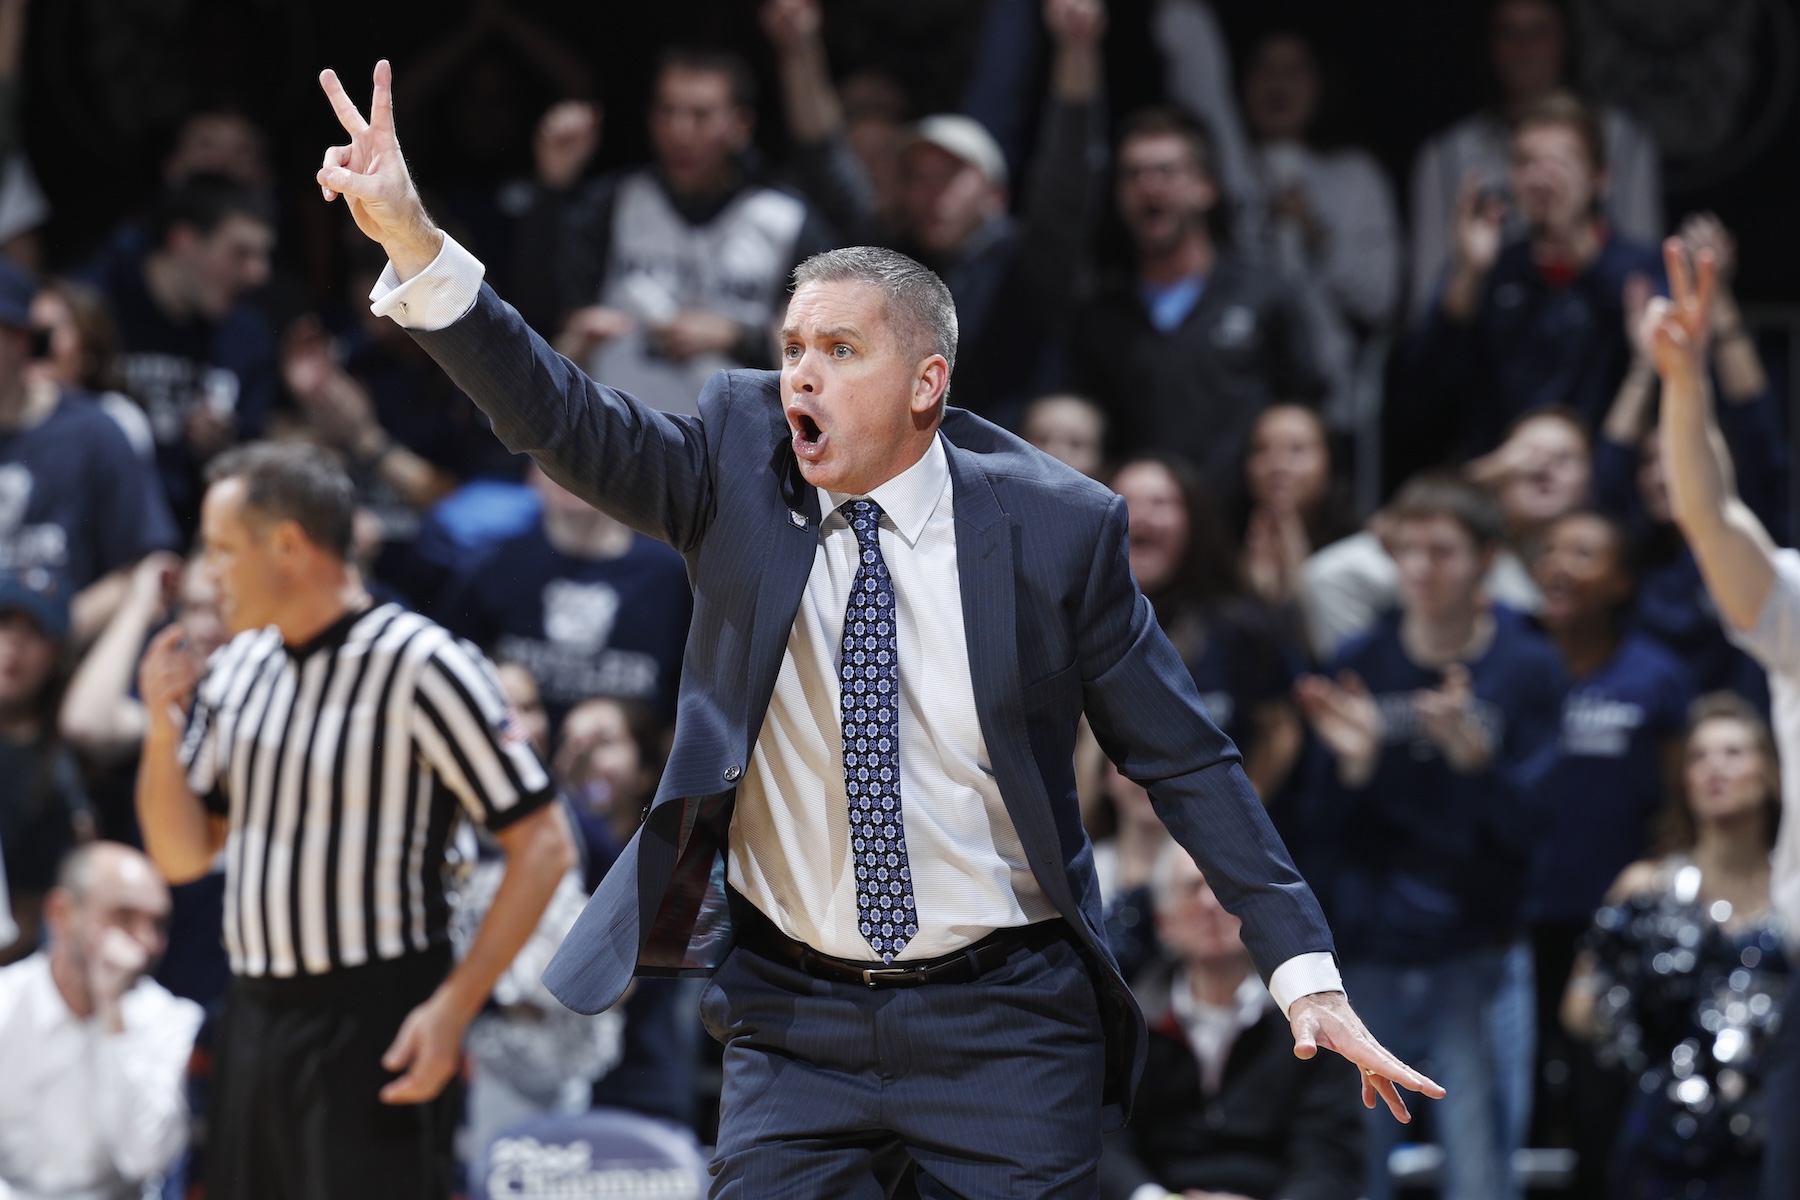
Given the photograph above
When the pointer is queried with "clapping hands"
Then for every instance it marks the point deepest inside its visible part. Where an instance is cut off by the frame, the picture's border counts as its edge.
(1452, 722)
(1347, 720)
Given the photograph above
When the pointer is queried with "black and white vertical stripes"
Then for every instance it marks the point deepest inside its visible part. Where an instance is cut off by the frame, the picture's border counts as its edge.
(343, 766)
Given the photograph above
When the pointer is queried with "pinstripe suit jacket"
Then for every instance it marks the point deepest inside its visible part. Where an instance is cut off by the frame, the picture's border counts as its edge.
(1056, 627)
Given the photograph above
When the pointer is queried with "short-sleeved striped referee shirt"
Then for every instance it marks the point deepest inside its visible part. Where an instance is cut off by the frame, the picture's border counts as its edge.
(343, 765)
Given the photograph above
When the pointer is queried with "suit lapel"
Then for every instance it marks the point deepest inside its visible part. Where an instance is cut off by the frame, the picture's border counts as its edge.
(990, 594)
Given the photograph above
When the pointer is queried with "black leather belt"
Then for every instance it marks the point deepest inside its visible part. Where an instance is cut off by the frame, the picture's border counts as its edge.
(755, 932)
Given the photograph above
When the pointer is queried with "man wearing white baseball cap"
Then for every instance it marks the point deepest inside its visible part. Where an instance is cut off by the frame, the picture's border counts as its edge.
(949, 207)
(1011, 277)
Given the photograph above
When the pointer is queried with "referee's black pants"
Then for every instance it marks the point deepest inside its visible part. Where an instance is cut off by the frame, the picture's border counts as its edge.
(295, 1111)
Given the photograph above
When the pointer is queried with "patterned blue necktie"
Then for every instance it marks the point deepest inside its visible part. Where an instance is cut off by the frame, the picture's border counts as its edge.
(869, 672)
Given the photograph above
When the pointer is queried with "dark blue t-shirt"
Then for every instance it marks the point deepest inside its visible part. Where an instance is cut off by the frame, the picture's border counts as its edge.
(172, 367)
(1241, 665)
(75, 500)
(1533, 342)
(583, 627)
(1607, 783)
(1426, 862)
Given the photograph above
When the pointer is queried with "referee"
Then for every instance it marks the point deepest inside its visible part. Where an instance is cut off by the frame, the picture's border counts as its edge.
(330, 748)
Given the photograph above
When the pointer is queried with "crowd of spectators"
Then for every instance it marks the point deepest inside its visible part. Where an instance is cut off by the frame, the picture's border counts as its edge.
(1496, 719)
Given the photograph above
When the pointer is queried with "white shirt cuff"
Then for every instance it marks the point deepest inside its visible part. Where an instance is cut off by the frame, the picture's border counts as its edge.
(1304, 975)
(435, 297)
(1150, 1191)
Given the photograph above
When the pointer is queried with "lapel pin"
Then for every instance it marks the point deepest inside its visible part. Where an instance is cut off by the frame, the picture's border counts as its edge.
(799, 521)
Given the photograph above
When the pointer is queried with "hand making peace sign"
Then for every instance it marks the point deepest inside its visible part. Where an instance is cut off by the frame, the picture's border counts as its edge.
(372, 177)
(1676, 328)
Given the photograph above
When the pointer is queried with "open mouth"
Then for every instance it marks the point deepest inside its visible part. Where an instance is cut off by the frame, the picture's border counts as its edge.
(809, 439)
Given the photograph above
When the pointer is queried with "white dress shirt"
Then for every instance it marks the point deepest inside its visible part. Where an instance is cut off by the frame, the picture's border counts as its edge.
(1775, 643)
(790, 835)
(789, 849)
(86, 1114)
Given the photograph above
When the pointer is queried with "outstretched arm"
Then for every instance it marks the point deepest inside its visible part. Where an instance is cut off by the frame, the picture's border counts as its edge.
(1735, 552)
(646, 468)
(1148, 718)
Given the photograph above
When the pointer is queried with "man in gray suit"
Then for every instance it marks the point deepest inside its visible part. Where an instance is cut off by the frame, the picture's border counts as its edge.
(868, 832)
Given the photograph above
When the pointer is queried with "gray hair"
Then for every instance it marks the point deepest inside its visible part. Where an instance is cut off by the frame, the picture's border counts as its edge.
(917, 299)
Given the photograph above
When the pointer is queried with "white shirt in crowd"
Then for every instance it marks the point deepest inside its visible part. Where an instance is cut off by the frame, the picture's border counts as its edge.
(86, 1114)
(1775, 643)
(790, 829)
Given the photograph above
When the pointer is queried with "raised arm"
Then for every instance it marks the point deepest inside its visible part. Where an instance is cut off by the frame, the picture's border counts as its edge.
(1735, 552)
(99, 715)
(647, 468)
(180, 836)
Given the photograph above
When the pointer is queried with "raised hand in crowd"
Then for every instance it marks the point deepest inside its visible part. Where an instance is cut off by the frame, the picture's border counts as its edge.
(99, 715)
(566, 139)
(1678, 329)
(1450, 719)
(1076, 27)
(1347, 720)
(1740, 369)
(1734, 550)
(808, 96)
(1629, 414)
(790, 25)
(1480, 229)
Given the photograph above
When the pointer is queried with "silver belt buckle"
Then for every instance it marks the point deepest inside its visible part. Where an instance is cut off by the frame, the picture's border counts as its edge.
(871, 974)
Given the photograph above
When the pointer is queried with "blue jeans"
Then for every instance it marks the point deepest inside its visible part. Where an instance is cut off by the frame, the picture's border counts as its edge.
(1446, 1018)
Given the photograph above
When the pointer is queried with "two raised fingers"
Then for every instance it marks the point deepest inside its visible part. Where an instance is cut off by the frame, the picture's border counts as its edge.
(381, 101)
(1691, 289)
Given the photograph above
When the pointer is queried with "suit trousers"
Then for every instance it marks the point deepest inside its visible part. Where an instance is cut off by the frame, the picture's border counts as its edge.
(991, 1087)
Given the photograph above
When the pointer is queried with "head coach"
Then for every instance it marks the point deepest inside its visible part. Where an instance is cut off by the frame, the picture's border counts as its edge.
(868, 830)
